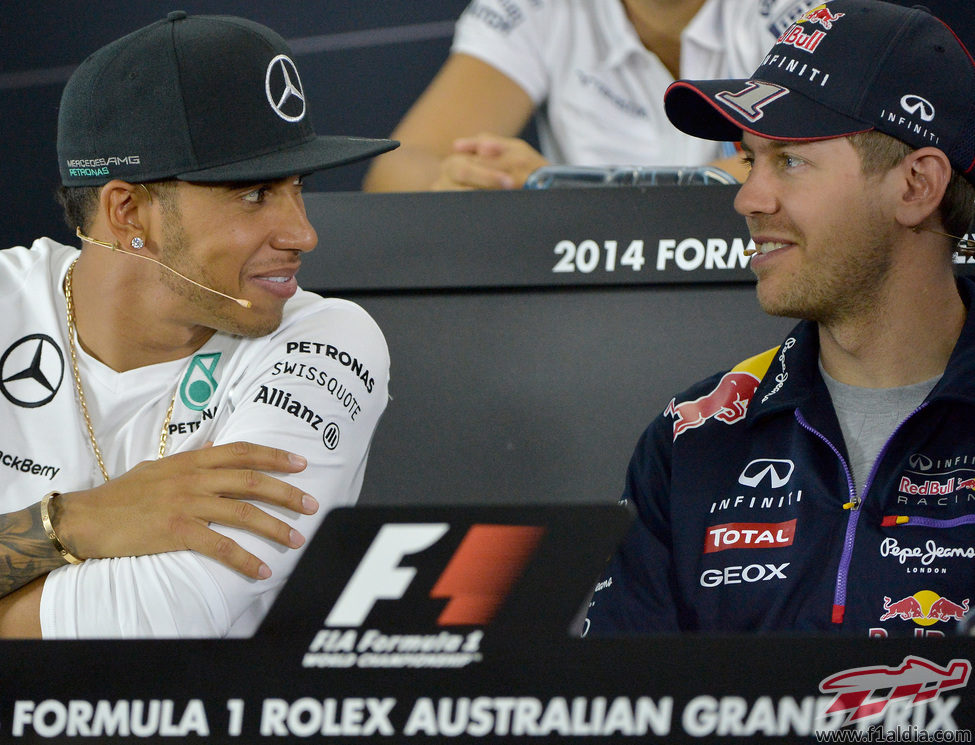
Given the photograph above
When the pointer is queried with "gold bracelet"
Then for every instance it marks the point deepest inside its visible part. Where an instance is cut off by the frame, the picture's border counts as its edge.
(49, 529)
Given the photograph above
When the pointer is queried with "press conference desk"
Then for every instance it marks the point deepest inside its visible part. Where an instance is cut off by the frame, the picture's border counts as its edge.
(533, 335)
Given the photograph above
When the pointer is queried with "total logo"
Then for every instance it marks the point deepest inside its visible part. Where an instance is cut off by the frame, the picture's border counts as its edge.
(924, 608)
(749, 535)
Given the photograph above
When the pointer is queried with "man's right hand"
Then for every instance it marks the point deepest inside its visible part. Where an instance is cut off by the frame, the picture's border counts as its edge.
(488, 161)
(168, 505)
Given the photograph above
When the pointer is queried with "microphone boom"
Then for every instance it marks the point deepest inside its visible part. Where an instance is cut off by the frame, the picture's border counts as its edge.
(115, 247)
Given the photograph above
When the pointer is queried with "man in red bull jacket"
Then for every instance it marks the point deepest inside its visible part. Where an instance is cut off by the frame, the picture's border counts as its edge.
(826, 484)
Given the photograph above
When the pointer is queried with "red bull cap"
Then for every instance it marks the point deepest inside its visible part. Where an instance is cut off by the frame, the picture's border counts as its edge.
(843, 67)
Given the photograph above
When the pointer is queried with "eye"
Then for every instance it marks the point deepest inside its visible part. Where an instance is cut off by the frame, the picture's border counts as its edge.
(791, 161)
(258, 195)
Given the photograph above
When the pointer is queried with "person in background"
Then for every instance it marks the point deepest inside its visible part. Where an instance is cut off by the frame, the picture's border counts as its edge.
(828, 484)
(178, 415)
(593, 71)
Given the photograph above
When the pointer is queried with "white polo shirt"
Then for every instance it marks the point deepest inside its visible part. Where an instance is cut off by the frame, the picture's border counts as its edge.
(316, 386)
(598, 90)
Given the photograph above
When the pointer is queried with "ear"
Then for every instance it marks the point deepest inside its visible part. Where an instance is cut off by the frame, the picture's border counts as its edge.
(925, 173)
(126, 209)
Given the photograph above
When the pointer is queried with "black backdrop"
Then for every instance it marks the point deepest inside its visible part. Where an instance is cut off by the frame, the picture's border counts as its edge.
(363, 62)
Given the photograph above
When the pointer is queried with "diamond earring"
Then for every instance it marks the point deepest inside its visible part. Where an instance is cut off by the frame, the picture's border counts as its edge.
(138, 243)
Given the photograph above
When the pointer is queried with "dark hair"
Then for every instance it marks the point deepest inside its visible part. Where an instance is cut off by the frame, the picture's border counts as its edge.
(81, 202)
(880, 152)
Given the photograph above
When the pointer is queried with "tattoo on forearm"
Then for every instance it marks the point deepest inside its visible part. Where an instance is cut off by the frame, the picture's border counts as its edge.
(25, 551)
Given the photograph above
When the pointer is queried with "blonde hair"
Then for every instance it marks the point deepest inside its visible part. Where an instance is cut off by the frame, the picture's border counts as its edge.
(880, 152)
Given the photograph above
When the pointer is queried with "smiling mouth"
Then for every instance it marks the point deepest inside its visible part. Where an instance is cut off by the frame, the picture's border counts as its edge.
(769, 246)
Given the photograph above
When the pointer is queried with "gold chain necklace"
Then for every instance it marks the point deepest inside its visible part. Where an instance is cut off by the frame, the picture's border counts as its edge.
(81, 393)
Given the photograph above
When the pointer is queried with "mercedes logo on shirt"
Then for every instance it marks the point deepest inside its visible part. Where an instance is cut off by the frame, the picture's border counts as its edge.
(31, 371)
(283, 88)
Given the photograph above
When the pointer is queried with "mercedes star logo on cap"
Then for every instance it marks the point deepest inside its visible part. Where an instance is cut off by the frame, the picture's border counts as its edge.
(283, 87)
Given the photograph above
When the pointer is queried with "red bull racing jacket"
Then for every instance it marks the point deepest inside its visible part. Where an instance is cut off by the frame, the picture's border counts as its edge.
(747, 518)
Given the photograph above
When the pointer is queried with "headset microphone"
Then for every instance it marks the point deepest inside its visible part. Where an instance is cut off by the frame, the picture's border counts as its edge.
(115, 247)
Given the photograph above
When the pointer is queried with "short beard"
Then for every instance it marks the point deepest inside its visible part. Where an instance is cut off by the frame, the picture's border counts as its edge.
(174, 253)
(836, 297)
(849, 286)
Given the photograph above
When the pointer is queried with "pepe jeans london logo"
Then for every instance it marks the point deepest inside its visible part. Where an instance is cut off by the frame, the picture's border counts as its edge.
(199, 384)
(784, 375)
(283, 88)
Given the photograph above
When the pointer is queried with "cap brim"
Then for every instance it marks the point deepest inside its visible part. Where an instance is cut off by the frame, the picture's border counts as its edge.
(722, 109)
(322, 152)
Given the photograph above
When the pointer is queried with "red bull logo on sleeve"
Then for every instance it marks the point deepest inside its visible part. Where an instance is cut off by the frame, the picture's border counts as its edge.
(729, 400)
(727, 403)
(924, 608)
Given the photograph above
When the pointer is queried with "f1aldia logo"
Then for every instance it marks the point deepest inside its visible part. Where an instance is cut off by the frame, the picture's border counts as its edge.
(476, 580)
(914, 682)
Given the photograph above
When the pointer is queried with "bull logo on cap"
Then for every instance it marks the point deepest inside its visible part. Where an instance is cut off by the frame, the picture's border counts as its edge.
(821, 15)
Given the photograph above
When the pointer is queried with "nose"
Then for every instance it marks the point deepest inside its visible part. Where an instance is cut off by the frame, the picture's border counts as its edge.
(755, 196)
(294, 231)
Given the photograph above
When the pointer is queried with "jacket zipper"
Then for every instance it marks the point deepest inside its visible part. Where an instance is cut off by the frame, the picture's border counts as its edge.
(842, 575)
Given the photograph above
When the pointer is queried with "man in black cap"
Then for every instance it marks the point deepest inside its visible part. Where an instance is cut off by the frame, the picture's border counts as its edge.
(829, 483)
(180, 400)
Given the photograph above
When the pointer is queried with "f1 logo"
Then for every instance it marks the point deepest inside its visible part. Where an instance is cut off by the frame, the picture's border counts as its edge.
(476, 580)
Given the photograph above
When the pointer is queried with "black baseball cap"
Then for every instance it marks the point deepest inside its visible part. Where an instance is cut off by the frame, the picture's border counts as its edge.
(844, 67)
(197, 98)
